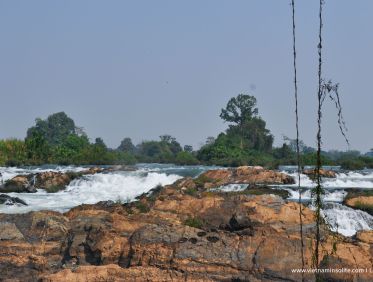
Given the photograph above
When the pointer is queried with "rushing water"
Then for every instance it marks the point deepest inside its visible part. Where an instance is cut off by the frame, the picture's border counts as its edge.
(126, 185)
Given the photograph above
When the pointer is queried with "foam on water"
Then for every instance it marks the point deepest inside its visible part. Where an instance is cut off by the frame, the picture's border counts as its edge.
(345, 220)
(329, 196)
(124, 186)
(231, 188)
(343, 180)
(10, 172)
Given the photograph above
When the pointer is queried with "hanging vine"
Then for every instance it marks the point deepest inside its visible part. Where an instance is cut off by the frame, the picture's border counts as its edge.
(297, 135)
(325, 89)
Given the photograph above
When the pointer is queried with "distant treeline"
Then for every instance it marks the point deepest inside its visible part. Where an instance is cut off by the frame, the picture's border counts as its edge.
(247, 141)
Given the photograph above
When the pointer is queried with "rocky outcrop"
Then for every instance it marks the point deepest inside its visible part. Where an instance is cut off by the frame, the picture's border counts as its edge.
(19, 184)
(173, 235)
(50, 181)
(360, 199)
(365, 236)
(244, 175)
(323, 172)
(53, 181)
(8, 200)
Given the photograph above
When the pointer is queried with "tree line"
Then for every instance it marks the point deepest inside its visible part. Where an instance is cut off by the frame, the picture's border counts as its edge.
(246, 141)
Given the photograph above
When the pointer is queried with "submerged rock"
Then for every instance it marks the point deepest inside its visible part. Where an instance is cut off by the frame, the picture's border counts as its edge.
(8, 200)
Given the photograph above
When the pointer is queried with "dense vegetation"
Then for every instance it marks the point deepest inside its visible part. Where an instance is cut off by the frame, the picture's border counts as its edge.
(57, 140)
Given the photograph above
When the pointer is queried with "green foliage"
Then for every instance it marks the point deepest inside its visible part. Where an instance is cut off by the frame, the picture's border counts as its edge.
(55, 129)
(142, 207)
(188, 148)
(126, 146)
(352, 164)
(240, 109)
(194, 222)
(202, 179)
(12, 152)
(191, 191)
(185, 158)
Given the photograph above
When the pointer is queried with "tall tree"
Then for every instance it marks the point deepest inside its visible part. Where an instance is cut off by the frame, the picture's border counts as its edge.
(55, 129)
(243, 113)
(126, 145)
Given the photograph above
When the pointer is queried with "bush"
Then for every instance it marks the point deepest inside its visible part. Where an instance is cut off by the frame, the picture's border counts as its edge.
(354, 164)
(186, 158)
(194, 222)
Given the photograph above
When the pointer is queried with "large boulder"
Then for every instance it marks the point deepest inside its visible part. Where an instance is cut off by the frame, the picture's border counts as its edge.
(56, 181)
(53, 181)
(19, 184)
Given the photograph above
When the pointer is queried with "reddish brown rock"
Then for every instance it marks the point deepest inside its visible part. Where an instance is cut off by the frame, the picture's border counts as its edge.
(244, 175)
(180, 237)
(52, 181)
(323, 172)
(19, 184)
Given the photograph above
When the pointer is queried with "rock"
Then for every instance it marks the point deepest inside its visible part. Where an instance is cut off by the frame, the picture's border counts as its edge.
(360, 199)
(113, 272)
(7, 200)
(19, 184)
(50, 181)
(262, 190)
(121, 168)
(365, 236)
(323, 172)
(9, 231)
(53, 181)
(243, 175)
(92, 170)
(207, 237)
(187, 183)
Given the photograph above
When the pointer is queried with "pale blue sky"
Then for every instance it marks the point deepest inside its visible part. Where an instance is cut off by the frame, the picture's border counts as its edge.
(144, 68)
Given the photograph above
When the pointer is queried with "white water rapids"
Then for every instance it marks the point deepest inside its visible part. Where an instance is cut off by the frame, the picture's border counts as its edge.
(126, 185)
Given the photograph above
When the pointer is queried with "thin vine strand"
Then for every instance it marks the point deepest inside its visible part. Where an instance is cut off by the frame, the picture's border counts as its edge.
(319, 190)
(297, 137)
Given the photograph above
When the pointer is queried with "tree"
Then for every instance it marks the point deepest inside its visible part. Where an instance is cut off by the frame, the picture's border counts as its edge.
(240, 110)
(37, 148)
(126, 146)
(99, 142)
(171, 142)
(167, 138)
(188, 148)
(210, 140)
(55, 129)
(303, 148)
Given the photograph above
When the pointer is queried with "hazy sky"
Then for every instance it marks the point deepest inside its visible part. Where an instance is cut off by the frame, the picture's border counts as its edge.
(145, 68)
